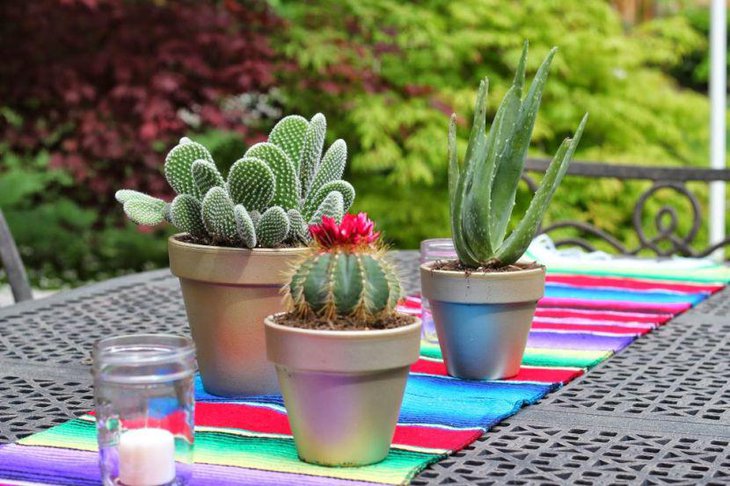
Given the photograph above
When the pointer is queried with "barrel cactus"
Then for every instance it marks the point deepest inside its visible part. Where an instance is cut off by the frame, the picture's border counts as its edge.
(482, 191)
(269, 198)
(346, 274)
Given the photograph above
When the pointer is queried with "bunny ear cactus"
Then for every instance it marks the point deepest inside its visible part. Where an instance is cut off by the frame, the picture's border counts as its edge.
(318, 176)
(179, 164)
(141, 208)
(482, 191)
(346, 273)
(270, 196)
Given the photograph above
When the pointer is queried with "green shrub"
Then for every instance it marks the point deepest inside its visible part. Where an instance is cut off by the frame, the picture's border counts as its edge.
(62, 243)
(692, 68)
(393, 71)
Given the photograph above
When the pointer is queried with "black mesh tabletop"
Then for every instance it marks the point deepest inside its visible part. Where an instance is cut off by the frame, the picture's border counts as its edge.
(656, 413)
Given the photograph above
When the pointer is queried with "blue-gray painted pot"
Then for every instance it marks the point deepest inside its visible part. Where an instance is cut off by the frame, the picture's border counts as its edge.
(482, 319)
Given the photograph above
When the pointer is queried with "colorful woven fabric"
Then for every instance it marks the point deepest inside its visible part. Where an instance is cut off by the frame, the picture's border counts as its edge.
(590, 312)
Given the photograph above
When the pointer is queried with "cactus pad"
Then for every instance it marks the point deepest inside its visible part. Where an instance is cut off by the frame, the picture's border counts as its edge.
(332, 166)
(251, 182)
(332, 206)
(185, 215)
(206, 176)
(287, 180)
(178, 166)
(255, 217)
(289, 135)
(218, 216)
(124, 195)
(273, 227)
(166, 212)
(312, 151)
(315, 199)
(298, 230)
(245, 226)
(146, 211)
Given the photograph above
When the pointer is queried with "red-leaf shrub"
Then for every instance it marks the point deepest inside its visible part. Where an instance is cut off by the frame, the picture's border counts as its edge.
(101, 83)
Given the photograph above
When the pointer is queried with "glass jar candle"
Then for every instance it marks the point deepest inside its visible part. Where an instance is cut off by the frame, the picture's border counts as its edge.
(432, 250)
(144, 392)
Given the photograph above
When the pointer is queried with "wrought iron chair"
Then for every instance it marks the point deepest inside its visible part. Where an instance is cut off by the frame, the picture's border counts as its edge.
(13, 264)
(667, 241)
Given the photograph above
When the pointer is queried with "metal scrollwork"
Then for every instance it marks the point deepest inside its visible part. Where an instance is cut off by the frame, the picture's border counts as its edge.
(667, 232)
(663, 238)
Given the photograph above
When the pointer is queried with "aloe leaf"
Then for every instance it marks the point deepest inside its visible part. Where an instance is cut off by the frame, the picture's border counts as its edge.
(455, 183)
(519, 80)
(477, 204)
(453, 162)
(474, 152)
(516, 245)
(512, 158)
(478, 137)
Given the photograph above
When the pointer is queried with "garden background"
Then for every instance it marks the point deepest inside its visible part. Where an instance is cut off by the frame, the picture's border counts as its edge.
(93, 93)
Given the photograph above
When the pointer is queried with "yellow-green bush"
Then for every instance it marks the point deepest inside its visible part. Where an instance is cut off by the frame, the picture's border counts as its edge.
(388, 74)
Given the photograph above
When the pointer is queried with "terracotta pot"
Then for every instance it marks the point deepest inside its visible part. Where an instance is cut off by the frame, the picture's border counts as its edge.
(228, 292)
(342, 389)
(482, 319)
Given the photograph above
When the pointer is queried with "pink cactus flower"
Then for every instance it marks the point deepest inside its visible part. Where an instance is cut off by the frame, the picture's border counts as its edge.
(354, 230)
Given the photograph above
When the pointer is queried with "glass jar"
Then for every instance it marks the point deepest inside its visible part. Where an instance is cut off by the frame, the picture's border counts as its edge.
(145, 399)
(432, 250)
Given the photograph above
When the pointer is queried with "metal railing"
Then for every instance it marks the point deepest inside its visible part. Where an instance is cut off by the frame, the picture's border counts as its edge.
(667, 241)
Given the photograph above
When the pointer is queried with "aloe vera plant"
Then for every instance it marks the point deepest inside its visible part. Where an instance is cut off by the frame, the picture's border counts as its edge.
(482, 190)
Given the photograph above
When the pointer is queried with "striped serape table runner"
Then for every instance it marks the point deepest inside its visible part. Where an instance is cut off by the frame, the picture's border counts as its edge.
(589, 312)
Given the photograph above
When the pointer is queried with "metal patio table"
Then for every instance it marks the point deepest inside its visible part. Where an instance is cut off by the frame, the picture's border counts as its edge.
(656, 413)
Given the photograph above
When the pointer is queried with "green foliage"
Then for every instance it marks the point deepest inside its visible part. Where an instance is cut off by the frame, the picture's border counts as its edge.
(391, 72)
(262, 203)
(689, 60)
(358, 284)
(23, 178)
(60, 242)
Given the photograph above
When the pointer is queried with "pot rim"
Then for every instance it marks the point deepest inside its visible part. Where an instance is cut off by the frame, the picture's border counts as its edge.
(345, 335)
(173, 240)
(527, 272)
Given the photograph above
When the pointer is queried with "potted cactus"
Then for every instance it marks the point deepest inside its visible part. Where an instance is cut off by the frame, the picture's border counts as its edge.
(483, 303)
(342, 353)
(238, 237)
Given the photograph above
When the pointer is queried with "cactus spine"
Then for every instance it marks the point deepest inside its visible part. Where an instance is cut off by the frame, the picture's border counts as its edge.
(272, 193)
(363, 286)
(482, 191)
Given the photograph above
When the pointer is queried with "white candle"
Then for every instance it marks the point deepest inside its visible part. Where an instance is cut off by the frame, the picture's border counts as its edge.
(146, 457)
